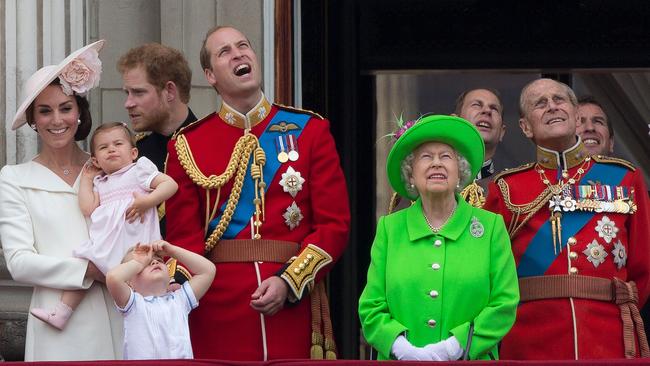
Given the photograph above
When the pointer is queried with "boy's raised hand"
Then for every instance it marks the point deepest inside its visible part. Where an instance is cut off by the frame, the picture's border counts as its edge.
(143, 254)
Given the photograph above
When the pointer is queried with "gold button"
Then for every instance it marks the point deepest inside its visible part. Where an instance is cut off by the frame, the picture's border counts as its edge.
(309, 256)
(573, 255)
(437, 243)
(573, 270)
(435, 266)
(301, 266)
(433, 293)
(296, 270)
(306, 261)
(572, 241)
(432, 323)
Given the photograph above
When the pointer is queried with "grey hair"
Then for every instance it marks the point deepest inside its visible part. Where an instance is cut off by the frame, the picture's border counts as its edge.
(464, 174)
(522, 97)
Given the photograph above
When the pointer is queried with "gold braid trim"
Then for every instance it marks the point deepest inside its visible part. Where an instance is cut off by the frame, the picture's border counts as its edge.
(529, 209)
(237, 167)
(474, 194)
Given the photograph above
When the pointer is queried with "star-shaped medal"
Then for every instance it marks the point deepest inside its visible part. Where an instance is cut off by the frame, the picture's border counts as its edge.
(291, 182)
(292, 216)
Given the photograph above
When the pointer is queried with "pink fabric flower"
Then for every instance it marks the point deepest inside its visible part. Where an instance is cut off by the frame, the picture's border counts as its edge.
(82, 73)
(400, 131)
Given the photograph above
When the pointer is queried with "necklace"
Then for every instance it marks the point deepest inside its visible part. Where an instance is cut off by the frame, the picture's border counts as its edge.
(436, 229)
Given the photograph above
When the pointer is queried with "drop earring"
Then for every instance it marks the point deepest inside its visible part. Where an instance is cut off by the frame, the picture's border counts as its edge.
(78, 121)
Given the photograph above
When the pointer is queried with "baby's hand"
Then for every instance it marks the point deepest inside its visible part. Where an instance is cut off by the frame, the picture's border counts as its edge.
(143, 254)
(90, 171)
(138, 208)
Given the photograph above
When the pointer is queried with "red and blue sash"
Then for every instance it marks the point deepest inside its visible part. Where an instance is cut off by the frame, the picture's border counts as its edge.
(245, 208)
(539, 254)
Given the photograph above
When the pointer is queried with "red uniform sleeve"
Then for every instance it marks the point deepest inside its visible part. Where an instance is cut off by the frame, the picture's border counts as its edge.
(183, 210)
(331, 215)
(638, 265)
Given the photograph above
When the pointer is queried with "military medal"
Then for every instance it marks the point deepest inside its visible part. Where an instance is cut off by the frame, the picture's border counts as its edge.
(292, 216)
(292, 147)
(606, 229)
(476, 228)
(595, 253)
(283, 157)
(620, 255)
(292, 181)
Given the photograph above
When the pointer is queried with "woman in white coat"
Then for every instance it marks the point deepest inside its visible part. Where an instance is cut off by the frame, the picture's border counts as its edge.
(40, 219)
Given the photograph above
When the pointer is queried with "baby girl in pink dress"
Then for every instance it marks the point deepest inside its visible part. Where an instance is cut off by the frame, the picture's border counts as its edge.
(120, 195)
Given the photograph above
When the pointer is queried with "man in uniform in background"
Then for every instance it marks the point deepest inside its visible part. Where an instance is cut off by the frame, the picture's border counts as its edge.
(595, 129)
(483, 108)
(157, 82)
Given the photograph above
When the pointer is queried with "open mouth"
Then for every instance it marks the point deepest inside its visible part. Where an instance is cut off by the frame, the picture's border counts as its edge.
(484, 125)
(555, 120)
(591, 141)
(57, 131)
(437, 176)
(242, 70)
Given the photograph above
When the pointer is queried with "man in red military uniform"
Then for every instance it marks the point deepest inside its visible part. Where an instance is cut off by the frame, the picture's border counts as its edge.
(262, 194)
(580, 233)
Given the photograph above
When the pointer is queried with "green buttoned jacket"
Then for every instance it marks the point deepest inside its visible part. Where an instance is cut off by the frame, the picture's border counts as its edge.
(432, 286)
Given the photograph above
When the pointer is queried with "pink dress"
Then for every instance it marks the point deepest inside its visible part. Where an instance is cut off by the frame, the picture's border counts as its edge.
(110, 234)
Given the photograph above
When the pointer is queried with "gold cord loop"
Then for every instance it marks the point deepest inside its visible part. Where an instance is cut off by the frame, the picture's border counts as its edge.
(236, 168)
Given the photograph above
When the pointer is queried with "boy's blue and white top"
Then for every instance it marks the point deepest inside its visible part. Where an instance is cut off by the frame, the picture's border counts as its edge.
(155, 327)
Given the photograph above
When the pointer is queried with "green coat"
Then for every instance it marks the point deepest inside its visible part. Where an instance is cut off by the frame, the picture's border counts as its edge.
(431, 291)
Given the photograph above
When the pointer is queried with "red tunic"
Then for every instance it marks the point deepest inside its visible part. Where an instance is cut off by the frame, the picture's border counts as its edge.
(544, 329)
(225, 326)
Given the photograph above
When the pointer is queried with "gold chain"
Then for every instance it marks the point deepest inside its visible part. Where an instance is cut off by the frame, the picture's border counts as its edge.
(436, 229)
(559, 187)
(236, 167)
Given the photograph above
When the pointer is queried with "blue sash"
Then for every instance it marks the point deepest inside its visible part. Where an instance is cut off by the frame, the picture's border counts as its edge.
(245, 208)
(539, 254)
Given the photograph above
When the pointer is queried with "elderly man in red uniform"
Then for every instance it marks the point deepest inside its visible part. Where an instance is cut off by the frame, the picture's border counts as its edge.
(262, 194)
(580, 233)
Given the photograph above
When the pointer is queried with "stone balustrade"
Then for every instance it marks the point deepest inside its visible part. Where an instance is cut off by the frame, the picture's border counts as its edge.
(14, 304)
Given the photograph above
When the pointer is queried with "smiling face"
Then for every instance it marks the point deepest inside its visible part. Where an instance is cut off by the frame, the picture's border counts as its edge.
(234, 70)
(594, 130)
(147, 106)
(483, 109)
(549, 115)
(435, 169)
(112, 150)
(55, 117)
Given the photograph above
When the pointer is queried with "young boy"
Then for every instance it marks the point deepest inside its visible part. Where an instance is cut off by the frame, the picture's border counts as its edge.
(155, 321)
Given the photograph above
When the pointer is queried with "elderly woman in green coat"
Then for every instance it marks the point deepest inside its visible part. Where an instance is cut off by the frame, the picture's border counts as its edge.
(442, 283)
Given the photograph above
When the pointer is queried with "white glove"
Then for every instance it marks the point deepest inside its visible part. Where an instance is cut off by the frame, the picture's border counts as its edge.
(405, 351)
(447, 350)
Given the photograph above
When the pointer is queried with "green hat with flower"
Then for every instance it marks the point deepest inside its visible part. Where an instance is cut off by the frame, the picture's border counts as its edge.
(453, 131)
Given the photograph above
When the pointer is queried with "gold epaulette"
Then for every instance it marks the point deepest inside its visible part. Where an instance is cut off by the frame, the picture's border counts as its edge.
(173, 267)
(513, 170)
(299, 110)
(140, 135)
(302, 270)
(192, 125)
(610, 160)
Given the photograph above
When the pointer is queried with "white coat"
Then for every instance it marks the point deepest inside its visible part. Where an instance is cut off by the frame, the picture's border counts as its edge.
(40, 224)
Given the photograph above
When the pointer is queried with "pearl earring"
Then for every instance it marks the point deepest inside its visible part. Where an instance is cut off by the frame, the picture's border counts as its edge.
(458, 185)
(78, 121)
(412, 185)
(32, 126)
